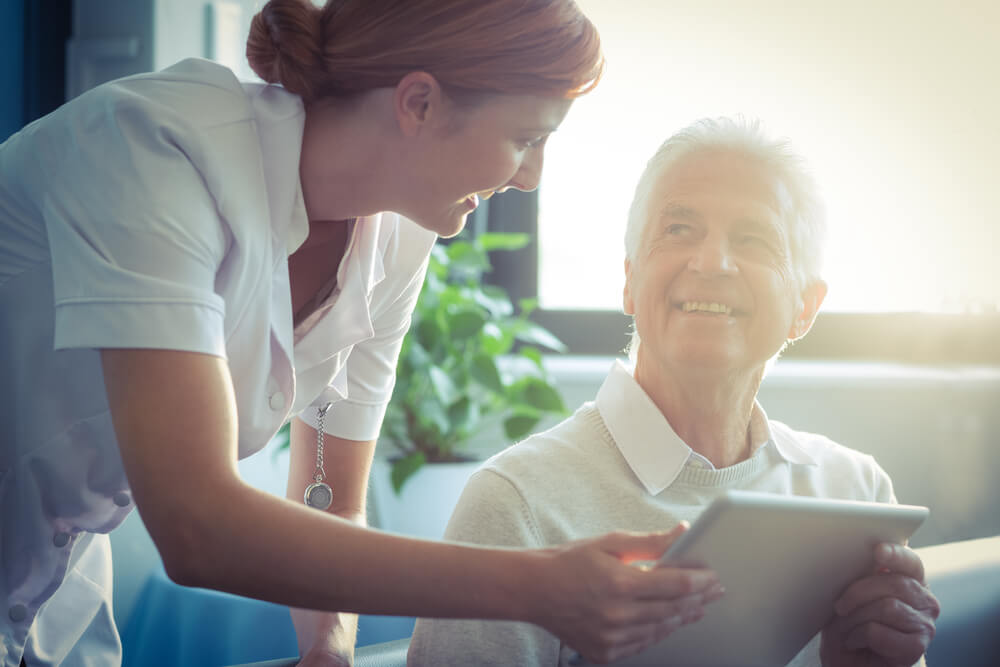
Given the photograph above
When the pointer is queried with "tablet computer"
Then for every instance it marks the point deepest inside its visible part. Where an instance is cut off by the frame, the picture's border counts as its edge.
(784, 561)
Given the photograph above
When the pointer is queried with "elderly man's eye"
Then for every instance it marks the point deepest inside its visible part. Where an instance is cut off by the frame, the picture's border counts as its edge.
(757, 241)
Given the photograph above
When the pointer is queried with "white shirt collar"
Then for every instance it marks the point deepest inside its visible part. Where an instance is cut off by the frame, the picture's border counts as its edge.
(649, 444)
(280, 118)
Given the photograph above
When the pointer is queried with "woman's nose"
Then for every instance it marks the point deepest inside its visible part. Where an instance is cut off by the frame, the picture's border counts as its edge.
(530, 172)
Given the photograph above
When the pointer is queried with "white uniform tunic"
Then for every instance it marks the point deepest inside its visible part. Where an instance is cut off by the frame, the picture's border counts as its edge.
(158, 211)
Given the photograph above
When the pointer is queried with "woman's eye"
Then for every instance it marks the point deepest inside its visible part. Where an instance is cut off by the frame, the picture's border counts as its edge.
(678, 229)
(534, 142)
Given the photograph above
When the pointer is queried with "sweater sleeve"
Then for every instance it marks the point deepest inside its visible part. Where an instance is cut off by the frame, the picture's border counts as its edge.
(490, 512)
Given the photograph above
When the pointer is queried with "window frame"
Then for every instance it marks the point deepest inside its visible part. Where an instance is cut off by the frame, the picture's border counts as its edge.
(910, 338)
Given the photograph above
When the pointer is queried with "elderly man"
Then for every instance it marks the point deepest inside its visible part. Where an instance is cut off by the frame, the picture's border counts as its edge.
(722, 271)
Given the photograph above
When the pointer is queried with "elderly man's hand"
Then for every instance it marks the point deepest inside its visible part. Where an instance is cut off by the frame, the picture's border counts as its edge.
(884, 619)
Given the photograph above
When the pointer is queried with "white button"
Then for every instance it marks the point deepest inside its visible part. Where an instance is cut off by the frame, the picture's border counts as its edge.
(60, 540)
(122, 499)
(18, 613)
(277, 400)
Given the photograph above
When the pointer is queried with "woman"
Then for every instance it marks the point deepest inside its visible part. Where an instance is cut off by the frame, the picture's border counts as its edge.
(220, 261)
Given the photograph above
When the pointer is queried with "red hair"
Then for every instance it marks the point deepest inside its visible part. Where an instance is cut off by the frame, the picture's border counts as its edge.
(541, 47)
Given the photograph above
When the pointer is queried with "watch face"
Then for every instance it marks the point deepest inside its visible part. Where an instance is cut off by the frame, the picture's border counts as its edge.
(318, 495)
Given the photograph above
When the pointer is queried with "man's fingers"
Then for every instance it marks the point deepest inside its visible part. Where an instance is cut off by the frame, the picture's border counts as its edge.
(895, 647)
(891, 613)
(878, 586)
(900, 559)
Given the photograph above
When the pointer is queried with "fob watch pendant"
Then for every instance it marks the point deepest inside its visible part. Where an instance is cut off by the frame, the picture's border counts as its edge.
(319, 494)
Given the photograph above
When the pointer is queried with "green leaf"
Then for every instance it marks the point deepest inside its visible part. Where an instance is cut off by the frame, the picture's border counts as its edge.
(281, 440)
(532, 353)
(494, 300)
(429, 333)
(437, 267)
(463, 414)
(527, 305)
(484, 371)
(415, 355)
(431, 413)
(494, 340)
(404, 468)
(451, 297)
(447, 379)
(465, 323)
(520, 424)
(467, 257)
(459, 248)
(539, 335)
(443, 385)
(541, 395)
(502, 241)
(394, 425)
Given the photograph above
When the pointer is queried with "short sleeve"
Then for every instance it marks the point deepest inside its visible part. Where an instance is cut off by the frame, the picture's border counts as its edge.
(135, 234)
(490, 512)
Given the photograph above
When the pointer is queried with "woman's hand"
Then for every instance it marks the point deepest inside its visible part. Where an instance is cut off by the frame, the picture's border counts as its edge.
(594, 600)
(885, 619)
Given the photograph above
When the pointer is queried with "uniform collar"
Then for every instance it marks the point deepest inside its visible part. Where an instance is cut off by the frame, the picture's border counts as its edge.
(649, 444)
(280, 118)
(347, 318)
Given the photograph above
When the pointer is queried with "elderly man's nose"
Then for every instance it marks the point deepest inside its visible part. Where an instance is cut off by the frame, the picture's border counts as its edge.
(712, 256)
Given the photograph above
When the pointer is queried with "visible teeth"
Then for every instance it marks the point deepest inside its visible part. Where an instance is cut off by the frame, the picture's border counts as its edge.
(705, 306)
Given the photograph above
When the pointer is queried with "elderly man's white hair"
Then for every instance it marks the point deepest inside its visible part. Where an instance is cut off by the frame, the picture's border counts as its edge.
(806, 219)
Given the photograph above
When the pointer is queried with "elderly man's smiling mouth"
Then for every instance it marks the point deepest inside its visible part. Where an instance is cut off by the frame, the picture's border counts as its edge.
(709, 307)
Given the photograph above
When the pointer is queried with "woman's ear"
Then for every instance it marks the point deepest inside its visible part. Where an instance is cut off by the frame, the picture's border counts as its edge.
(417, 100)
(812, 298)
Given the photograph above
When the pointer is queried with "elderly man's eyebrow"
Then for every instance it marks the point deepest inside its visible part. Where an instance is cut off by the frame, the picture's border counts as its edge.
(760, 227)
(679, 212)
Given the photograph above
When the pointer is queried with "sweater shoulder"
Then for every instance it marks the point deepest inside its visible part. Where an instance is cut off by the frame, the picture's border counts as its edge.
(581, 441)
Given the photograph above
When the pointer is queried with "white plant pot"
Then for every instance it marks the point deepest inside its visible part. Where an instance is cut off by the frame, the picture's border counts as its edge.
(426, 502)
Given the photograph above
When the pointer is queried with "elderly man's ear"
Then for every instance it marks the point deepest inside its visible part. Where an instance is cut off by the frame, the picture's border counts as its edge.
(627, 305)
(812, 299)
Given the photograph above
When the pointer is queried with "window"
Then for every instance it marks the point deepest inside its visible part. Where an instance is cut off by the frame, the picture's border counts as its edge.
(893, 104)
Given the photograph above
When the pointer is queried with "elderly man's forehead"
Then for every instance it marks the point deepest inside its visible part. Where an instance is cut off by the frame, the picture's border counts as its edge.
(710, 168)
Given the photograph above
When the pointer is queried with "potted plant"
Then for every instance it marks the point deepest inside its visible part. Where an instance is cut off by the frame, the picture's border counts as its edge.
(471, 364)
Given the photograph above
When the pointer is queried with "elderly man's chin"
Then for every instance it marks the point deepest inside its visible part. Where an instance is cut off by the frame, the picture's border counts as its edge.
(719, 357)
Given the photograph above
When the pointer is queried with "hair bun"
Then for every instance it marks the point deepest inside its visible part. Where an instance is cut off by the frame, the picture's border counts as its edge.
(284, 44)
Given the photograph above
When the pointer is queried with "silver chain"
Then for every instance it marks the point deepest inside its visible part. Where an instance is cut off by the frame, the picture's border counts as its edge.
(320, 475)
